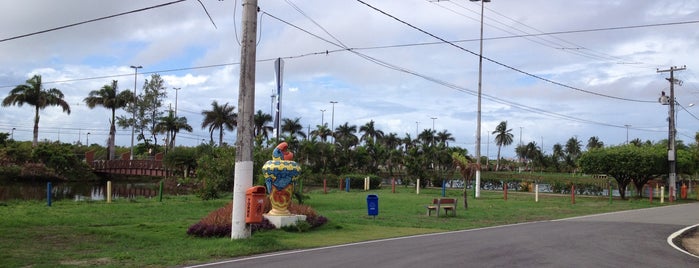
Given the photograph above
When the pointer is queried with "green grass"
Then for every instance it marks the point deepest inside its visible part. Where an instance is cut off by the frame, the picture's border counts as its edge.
(145, 232)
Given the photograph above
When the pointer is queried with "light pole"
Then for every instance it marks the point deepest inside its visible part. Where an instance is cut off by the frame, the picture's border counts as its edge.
(12, 136)
(177, 90)
(627, 133)
(478, 120)
(133, 116)
(271, 105)
(87, 140)
(417, 125)
(433, 118)
(322, 117)
(332, 121)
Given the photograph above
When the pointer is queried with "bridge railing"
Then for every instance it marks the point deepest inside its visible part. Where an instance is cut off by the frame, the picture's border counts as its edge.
(126, 164)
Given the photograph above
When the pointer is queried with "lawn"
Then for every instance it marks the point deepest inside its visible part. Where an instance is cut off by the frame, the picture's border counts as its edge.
(145, 232)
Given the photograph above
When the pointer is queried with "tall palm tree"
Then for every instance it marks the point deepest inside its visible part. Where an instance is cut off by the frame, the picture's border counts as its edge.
(34, 94)
(427, 136)
(323, 132)
(594, 143)
(370, 132)
(109, 97)
(261, 128)
(444, 138)
(573, 151)
(345, 135)
(171, 125)
(218, 118)
(293, 127)
(503, 137)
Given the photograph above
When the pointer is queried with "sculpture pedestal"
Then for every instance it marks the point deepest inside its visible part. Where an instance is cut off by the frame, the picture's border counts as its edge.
(287, 220)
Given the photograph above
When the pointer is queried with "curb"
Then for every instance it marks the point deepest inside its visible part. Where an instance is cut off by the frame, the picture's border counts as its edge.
(676, 238)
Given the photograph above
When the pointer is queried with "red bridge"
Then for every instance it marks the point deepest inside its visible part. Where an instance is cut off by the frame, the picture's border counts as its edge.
(152, 168)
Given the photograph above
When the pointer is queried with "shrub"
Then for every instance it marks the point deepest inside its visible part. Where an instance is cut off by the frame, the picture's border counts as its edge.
(218, 222)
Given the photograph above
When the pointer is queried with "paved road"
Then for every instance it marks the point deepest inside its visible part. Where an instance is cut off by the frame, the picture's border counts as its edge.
(625, 239)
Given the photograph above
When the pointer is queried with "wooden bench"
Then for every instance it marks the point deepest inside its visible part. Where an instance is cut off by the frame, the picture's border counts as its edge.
(448, 204)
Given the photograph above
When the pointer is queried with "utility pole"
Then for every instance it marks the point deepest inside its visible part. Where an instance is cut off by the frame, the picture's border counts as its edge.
(672, 131)
(246, 108)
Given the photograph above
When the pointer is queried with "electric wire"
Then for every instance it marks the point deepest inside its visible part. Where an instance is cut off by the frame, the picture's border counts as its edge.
(499, 63)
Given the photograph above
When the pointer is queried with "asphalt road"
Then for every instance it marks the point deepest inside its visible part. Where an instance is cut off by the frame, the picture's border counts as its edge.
(624, 239)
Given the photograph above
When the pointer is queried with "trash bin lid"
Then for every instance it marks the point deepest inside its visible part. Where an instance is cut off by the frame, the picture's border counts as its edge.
(256, 190)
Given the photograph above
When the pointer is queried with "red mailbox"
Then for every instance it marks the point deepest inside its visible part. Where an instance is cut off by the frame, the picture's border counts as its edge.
(255, 204)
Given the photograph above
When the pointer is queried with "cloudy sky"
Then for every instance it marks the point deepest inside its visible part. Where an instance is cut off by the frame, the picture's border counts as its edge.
(552, 69)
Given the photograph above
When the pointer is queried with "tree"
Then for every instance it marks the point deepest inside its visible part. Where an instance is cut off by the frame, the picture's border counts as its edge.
(171, 125)
(293, 127)
(34, 94)
(594, 143)
(625, 164)
(218, 118)
(444, 138)
(109, 97)
(370, 132)
(322, 132)
(261, 128)
(503, 136)
(146, 109)
(572, 150)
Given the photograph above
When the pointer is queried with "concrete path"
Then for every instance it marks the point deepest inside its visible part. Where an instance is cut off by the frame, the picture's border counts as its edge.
(635, 238)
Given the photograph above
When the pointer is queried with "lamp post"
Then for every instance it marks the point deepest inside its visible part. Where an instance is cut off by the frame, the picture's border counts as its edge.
(12, 136)
(87, 140)
(332, 121)
(177, 90)
(322, 117)
(133, 116)
(627, 133)
(433, 118)
(417, 126)
(478, 120)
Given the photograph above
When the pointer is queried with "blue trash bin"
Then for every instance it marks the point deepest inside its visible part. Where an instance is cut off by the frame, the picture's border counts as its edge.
(372, 202)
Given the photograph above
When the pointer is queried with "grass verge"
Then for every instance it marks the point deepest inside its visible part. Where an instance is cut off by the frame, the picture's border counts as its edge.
(145, 232)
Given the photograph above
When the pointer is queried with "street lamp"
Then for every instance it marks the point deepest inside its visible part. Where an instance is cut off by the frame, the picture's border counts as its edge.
(133, 116)
(322, 117)
(177, 90)
(12, 136)
(433, 118)
(332, 122)
(478, 120)
(87, 140)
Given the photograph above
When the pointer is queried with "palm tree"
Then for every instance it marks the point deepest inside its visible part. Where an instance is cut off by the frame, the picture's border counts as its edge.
(108, 97)
(427, 136)
(370, 132)
(219, 117)
(261, 128)
(345, 135)
(171, 125)
(444, 138)
(572, 150)
(594, 143)
(293, 127)
(323, 132)
(503, 136)
(34, 94)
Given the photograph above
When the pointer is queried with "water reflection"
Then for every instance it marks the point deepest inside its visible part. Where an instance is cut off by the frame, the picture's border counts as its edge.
(78, 191)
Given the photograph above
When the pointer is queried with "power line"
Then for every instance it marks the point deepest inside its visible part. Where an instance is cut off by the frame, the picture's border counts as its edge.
(92, 20)
(450, 85)
(497, 62)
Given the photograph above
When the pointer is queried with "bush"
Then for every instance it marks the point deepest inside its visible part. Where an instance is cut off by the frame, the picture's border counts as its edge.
(218, 222)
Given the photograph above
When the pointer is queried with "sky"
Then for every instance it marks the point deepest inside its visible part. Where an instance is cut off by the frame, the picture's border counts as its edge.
(552, 69)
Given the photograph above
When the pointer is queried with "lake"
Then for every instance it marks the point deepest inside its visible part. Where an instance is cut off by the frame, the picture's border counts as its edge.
(77, 190)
